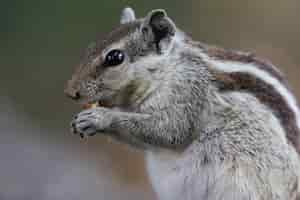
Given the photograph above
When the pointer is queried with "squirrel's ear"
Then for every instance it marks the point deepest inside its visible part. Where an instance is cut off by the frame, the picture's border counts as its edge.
(127, 15)
(159, 29)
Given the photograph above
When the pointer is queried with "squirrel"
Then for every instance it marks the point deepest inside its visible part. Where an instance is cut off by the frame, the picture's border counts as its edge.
(214, 123)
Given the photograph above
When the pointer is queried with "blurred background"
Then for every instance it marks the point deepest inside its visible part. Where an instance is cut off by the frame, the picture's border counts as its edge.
(41, 42)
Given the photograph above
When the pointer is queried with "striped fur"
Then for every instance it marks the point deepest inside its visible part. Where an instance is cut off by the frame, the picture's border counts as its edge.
(245, 72)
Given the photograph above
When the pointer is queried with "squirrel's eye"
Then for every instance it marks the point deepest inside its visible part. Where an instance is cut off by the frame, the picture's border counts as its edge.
(114, 57)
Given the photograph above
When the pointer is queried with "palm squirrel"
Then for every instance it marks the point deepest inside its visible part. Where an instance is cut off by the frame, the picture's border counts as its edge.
(215, 124)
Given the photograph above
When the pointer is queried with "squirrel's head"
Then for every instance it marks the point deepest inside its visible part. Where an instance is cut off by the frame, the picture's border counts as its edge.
(118, 70)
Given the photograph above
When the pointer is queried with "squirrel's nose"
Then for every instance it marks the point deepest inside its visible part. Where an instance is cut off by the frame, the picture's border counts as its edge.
(72, 93)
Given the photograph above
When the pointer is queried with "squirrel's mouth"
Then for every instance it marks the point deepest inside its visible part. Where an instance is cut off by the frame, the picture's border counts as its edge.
(90, 105)
(96, 104)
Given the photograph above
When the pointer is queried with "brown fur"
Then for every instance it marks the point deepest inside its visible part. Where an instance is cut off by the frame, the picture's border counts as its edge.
(267, 94)
(242, 57)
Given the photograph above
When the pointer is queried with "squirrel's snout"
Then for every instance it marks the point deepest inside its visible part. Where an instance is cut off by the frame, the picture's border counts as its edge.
(72, 93)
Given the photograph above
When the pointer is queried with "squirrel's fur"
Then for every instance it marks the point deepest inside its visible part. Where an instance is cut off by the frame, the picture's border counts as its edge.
(208, 135)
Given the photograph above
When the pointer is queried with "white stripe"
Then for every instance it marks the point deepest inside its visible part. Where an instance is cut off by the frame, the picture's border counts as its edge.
(231, 66)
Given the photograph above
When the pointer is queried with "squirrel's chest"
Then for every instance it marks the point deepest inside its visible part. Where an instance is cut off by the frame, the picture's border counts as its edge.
(172, 180)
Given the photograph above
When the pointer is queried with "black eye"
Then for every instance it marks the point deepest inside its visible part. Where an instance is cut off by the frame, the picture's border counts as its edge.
(114, 57)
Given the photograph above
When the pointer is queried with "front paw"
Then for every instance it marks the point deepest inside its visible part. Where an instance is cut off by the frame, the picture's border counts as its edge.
(91, 121)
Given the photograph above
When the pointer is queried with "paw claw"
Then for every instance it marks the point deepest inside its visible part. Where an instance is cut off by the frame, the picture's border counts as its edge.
(89, 122)
(81, 135)
(73, 128)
